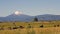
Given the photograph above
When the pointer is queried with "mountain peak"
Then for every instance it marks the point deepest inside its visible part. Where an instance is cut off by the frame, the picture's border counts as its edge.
(17, 12)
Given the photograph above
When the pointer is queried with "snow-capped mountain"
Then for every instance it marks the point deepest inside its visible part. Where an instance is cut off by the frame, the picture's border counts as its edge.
(20, 17)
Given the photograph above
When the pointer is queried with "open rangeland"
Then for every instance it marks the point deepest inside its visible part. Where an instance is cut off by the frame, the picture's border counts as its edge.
(30, 27)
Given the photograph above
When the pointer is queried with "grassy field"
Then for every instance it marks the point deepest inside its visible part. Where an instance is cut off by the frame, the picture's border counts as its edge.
(42, 27)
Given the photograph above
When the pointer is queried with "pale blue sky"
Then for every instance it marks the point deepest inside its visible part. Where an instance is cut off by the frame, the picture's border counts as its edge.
(30, 7)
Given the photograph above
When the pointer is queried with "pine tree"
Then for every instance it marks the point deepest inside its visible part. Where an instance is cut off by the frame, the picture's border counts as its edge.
(35, 19)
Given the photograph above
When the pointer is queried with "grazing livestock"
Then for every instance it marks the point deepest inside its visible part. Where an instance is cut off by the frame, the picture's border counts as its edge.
(18, 27)
(41, 26)
(15, 27)
(21, 27)
(57, 25)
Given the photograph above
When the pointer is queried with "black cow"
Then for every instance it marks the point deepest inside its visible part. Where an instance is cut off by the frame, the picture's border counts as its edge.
(21, 27)
(15, 28)
(41, 26)
(57, 25)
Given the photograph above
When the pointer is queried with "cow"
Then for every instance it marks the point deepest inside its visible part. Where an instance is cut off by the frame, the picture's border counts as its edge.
(57, 25)
(41, 26)
(21, 27)
(15, 28)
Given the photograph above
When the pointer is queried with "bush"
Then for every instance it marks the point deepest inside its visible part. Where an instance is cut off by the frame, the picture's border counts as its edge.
(29, 26)
(54, 25)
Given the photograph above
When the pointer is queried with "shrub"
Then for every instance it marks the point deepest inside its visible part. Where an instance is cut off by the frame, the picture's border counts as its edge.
(29, 26)
(54, 25)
